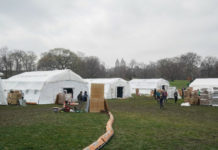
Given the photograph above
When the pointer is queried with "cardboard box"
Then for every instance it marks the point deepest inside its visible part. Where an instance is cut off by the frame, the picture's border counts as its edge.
(14, 97)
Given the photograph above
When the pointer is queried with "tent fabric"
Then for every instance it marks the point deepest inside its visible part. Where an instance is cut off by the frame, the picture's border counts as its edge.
(208, 83)
(110, 86)
(42, 87)
(3, 100)
(145, 86)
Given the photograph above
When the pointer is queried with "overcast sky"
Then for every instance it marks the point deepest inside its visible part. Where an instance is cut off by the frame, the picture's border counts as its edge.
(144, 30)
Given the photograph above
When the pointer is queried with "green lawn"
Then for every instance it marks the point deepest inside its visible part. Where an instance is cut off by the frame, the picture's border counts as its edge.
(139, 124)
(179, 83)
(37, 127)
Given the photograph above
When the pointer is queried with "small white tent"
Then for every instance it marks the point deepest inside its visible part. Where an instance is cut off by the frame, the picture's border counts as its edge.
(113, 87)
(170, 92)
(3, 100)
(208, 83)
(145, 86)
(41, 87)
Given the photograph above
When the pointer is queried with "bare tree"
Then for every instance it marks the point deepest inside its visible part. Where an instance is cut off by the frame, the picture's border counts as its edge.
(189, 64)
(29, 61)
(17, 56)
(207, 68)
(5, 61)
(59, 58)
(168, 68)
(93, 68)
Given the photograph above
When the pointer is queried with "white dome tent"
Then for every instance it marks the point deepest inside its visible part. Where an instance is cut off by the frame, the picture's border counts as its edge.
(201, 83)
(3, 100)
(145, 86)
(41, 87)
(113, 87)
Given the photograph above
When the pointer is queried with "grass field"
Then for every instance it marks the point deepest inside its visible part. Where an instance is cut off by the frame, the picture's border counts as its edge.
(139, 124)
(179, 83)
(38, 127)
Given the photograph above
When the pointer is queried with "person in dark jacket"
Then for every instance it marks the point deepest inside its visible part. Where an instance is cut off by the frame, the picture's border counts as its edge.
(175, 96)
(158, 96)
(85, 96)
(80, 96)
(80, 99)
(161, 99)
(165, 96)
(155, 92)
(183, 93)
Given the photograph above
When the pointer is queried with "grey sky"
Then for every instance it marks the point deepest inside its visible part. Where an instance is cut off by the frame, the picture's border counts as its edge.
(144, 30)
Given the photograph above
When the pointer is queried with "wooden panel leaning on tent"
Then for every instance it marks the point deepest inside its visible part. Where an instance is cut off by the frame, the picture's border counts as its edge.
(97, 102)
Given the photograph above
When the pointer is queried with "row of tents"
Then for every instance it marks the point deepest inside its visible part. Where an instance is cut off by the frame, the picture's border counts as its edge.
(41, 87)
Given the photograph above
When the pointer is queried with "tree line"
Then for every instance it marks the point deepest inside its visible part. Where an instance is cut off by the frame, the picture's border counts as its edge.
(186, 66)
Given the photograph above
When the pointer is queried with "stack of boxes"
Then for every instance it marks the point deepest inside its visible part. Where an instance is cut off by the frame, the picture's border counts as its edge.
(191, 96)
(205, 97)
(215, 96)
(13, 97)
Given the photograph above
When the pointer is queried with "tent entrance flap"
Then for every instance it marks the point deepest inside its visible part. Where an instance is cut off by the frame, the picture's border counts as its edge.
(119, 92)
(68, 90)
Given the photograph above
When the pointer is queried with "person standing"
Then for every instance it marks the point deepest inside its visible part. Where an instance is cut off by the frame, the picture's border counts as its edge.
(85, 96)
(80, 99)
(158, 96)
(84, 100)
(165, 96)
(155, 92)
(175, 96)
(183, 93)
(161, 99)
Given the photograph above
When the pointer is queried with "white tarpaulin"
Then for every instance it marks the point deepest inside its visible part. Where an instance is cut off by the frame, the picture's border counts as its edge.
(42, 87)
(201, 83)
(3, 100)
(187, 104)
(113, 87)
(145, 86)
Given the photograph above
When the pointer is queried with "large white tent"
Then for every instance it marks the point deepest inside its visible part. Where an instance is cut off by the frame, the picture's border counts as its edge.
(145, 86)
(3, 100)
(208, 83)
(113, 87)
(41, 87)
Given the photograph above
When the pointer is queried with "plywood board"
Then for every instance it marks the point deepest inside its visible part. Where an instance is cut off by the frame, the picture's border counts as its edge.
(97, 98)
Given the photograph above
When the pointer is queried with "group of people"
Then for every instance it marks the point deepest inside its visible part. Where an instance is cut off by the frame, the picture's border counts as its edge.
(82, 99)
(161, 96)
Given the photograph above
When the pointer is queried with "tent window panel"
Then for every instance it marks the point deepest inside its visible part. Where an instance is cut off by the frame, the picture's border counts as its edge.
(35, 91)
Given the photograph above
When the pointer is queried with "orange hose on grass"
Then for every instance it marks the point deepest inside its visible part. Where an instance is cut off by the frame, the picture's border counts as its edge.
(103, 139)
